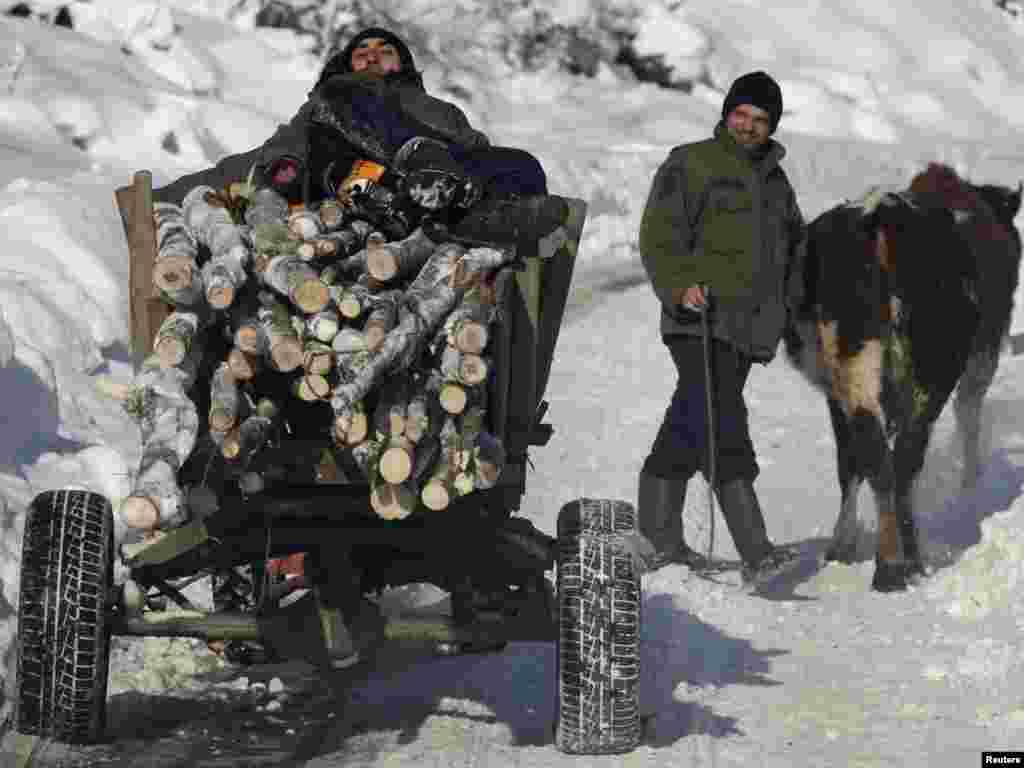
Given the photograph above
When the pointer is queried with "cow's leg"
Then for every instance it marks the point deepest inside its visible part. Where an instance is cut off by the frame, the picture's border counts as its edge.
(843, 547)
(908, 459)
(871, 458)
(974, 383)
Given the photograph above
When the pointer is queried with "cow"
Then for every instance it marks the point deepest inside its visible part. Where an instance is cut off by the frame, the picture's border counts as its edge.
(907, 296)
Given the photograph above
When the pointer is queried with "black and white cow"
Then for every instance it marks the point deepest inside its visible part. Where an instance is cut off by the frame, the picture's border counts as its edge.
(907, 295)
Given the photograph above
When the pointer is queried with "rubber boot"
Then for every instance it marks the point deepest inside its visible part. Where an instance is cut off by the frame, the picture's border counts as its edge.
(516, 220)
(745, 520)
(660, 503)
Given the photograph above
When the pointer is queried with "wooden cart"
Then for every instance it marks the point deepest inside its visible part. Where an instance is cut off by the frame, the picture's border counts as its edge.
(492, 562)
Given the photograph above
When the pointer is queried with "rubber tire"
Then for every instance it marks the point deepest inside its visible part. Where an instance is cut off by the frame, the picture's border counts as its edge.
(598, 642)
(63, 655)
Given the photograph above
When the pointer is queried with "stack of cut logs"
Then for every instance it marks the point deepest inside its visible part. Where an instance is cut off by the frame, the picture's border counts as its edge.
(393, 334)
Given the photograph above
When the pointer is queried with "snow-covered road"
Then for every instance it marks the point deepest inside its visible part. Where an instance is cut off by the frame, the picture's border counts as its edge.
(814, 670)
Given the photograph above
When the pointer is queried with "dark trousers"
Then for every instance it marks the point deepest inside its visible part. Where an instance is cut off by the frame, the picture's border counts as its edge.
(681, 445)
(504, 171)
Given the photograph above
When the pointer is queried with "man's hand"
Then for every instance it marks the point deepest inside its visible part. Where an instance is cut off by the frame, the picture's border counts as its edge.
(695, 298)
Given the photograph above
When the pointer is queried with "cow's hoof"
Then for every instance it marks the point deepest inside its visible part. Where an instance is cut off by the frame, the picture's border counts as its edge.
(889, 577)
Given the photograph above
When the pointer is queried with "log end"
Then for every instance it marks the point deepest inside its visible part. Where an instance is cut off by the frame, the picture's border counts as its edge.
(173, 273)
(375, 335)
(140, 512)
(351, 429)
(170, 351)
(453, 398)
(221, 420)
(243, 366)
(313, 387)
(396, 464)
(350, 307)
(220, 295)
(312, 296)
(436, 495)
(249, 339)
(471, 338)
(392, 502)
(287, 354)
(473, 369)
(381, 263)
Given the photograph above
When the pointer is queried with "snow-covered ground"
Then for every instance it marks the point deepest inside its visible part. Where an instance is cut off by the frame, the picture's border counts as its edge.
(815, 671)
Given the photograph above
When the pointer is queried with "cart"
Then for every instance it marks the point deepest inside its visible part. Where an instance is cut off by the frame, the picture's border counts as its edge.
(494, 564)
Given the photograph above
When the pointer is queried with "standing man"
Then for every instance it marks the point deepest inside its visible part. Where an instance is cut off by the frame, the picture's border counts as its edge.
(721, 233)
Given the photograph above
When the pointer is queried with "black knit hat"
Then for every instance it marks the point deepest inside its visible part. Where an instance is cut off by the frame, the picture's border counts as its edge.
(341, 63)
(759, 89)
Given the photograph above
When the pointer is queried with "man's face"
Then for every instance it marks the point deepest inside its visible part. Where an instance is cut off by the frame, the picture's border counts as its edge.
(750, 126)
(376, 55)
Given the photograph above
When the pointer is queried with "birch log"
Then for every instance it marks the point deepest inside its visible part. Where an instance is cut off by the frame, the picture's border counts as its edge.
(168, 425)
(294, 279)
(304, 224)
(463, 367)
(241, 444)
(396, 459)
(317, 357)
(332, 215)
(351, 426)
(176, 274)
(439, 490)
(244, 366)
(284, 347)
(323, 325)
(177, 334)
(427, 301)
(381, 318)
(467, 327)
(268, 206)
(475, 264)
(398, 259)
(352, 300)
(224, 274)
(392, 501)
(311, 387)
(225, 399)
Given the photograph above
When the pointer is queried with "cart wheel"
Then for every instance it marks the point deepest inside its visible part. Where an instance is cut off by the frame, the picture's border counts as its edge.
(63, 630)
(598, 654)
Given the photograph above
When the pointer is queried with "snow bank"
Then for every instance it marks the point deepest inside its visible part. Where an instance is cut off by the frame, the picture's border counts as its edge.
(985, 578)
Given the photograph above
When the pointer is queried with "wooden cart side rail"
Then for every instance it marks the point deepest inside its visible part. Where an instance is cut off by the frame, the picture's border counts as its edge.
(147, 310)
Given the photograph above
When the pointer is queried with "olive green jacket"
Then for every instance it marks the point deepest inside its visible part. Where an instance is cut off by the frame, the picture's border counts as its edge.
(715, 216)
